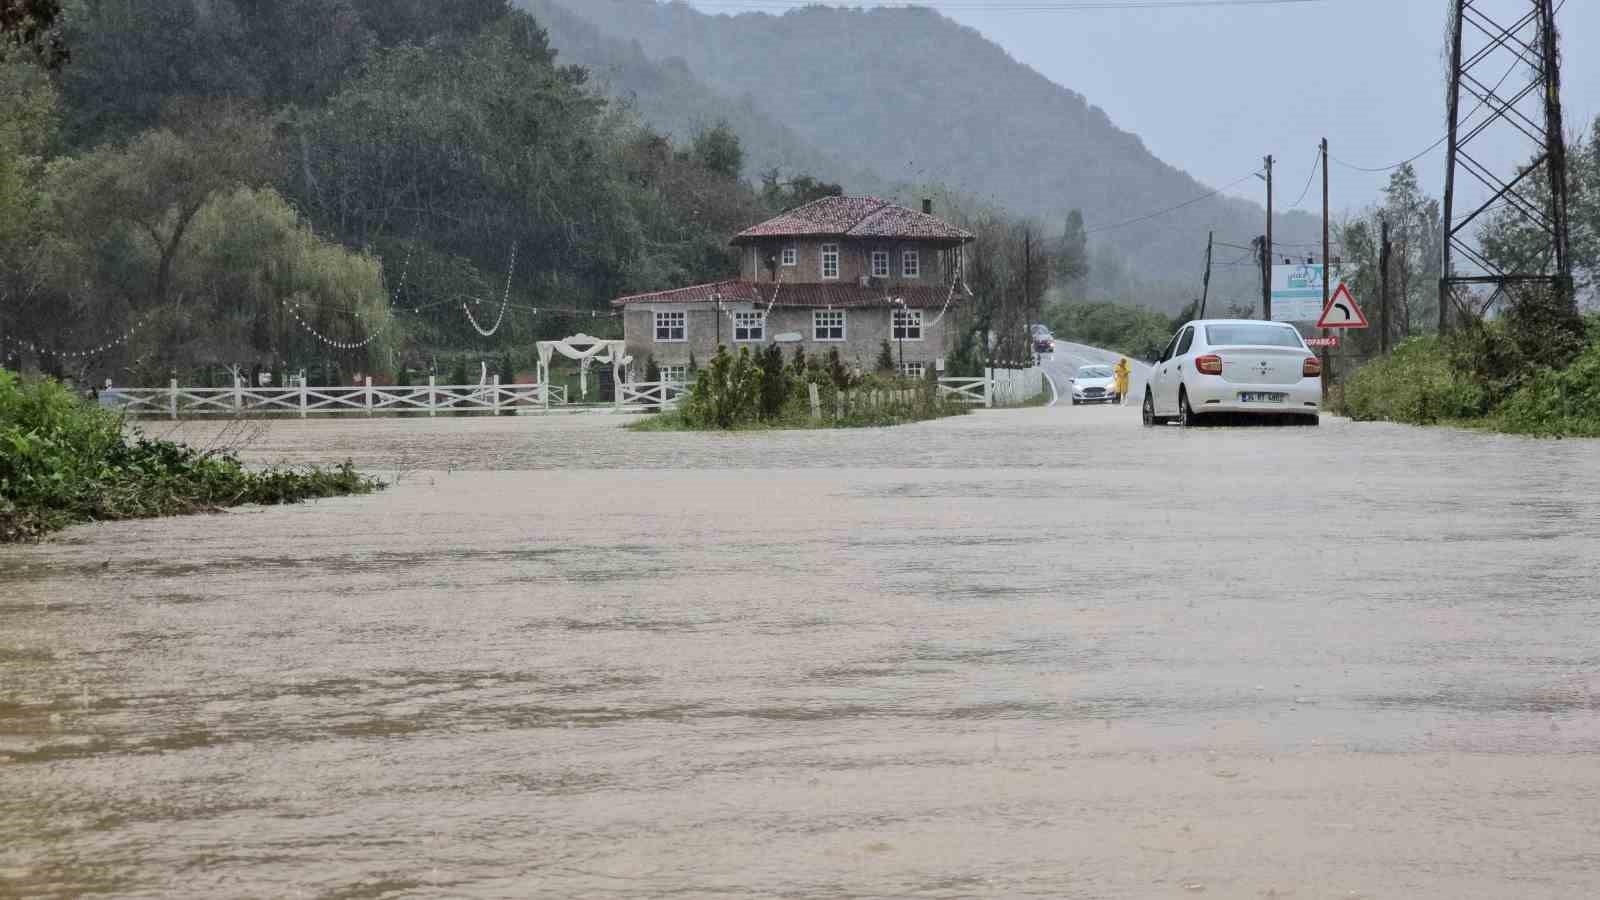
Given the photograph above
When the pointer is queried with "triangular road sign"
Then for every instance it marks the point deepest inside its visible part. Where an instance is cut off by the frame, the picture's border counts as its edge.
(1342, 311)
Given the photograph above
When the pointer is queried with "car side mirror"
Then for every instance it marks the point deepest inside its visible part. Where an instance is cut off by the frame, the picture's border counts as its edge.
(1072, 381)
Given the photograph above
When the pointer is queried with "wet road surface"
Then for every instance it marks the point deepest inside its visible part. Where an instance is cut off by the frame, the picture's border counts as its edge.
(1019, 653)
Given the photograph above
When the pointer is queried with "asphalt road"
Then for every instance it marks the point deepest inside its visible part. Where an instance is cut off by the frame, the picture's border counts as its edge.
(1062, 364)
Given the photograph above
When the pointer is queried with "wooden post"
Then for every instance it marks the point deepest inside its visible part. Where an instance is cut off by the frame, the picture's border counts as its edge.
(172, 399)
(496, 389)
(238, 396)
(838, 404)
(369, 395)
(302, 393)
(816, 401)
(988, 387)
(431, 404)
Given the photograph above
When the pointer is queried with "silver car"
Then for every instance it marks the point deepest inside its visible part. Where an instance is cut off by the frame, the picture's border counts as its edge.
(1095, 384)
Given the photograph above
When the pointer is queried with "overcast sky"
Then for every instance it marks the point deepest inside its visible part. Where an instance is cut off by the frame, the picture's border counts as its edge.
(1211, 90)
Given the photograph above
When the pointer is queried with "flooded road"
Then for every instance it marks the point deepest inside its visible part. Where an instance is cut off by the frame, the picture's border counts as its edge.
(1030, 653)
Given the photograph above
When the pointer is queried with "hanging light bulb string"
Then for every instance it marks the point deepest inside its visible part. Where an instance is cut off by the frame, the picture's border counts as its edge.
(505, 300)
(84, 353)
(294, 310)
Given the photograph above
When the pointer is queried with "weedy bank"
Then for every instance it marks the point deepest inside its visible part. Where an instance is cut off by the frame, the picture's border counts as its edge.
(747, 392)
(63, 461)
(1531, 372)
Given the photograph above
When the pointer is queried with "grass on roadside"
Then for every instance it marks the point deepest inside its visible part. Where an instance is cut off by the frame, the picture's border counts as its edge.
(63, 461)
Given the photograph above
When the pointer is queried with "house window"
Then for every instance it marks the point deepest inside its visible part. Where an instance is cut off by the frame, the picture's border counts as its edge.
(908, 324)
(827, 325)
(677, 374)
(672, 326)
(749, 326)
(791, 256)
(911, 264)
(830, 261)
(913, 369)
(880, 264)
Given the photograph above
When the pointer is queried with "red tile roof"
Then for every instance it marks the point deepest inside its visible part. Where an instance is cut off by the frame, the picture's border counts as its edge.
(838, 295)
(862, 217)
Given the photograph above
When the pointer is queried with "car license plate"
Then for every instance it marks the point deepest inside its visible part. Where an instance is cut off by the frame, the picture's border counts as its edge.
(1262, 398)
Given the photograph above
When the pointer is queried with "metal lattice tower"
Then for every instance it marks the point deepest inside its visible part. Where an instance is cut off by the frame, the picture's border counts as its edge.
(1526, 111)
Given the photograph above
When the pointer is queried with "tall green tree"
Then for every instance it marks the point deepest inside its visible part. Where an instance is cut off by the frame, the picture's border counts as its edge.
(1072, 259)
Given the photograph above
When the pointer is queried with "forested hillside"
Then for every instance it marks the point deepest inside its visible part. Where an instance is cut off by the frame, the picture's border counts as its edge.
(333, 184)
(915, 97)
(672, 100)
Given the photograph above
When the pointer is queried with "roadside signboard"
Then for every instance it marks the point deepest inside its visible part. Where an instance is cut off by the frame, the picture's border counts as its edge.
(1329, 342)
(1342, 311)
(1297, 291)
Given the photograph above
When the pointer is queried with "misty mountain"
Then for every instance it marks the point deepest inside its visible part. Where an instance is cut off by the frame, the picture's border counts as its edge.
(666, 94)
(911, 97)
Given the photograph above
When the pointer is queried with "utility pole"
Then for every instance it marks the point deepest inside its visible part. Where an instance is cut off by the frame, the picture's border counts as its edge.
(1205, 284)
(1027, 290)
(1266, 252)
(1383, 286)
(1327, 268)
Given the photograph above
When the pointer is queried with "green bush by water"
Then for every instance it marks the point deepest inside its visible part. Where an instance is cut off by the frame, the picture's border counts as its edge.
(62, 461)
(1488, 373)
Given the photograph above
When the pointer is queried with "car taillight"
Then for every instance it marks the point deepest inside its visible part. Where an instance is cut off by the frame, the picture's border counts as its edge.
(1208, 365)
(1312, 368)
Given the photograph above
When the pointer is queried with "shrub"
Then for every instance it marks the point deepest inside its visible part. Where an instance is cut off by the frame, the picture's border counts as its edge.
(1419, 384)
(727, 394)
(1558, 401)
(885, 357)
(776, 382)
(62, 461)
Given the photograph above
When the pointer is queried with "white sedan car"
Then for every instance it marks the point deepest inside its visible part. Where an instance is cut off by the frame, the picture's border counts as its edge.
(1234, 366)
(1094, 384)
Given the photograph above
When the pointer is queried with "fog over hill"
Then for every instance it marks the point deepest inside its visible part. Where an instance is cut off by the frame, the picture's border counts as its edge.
(907, 96)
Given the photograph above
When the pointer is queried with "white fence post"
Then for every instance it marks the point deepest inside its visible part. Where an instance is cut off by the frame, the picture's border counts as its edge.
(172, 399)
(988, 387)
(432, 406)
(302, 396)
(369, 395)
(238, 396)
(816, 401)
(496, 390)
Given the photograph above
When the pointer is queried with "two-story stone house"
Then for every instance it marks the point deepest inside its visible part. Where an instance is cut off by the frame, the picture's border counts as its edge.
(840, 272)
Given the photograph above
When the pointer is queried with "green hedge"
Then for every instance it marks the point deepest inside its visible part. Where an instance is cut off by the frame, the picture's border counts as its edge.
(64, 461)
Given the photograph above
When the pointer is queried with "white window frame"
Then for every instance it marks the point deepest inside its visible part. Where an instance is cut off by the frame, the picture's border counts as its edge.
(817, 325)
(753, 322)
(676, 374)
(791, 257)
(683, 323)
(913, 370)
(880, 256)
(911, 264)
(830, 251)
(907, 320)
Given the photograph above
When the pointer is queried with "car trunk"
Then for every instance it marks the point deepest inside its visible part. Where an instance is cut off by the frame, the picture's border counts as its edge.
(1261, 365)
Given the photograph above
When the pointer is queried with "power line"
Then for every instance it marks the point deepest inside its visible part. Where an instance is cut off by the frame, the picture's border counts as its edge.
(1317, 161)
(1171, 209)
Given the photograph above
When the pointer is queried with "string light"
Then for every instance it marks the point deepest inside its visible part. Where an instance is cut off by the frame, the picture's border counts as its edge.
(505, 300)
(78, 354)
(294, 310)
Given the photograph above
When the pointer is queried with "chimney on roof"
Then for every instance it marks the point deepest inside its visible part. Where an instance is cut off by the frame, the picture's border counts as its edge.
(927, 206)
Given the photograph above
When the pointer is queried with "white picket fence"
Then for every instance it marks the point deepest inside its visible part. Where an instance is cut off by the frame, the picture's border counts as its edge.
(176, 402)
(651, 394)
(1002, 387)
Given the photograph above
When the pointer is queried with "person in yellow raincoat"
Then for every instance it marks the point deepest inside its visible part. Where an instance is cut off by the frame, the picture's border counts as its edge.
(1119, 372)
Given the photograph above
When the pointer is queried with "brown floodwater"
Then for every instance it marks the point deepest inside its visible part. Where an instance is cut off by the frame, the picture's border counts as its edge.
(1034, 653)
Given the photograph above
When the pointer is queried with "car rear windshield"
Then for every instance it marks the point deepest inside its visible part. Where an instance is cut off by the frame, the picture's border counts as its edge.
(1252, 336)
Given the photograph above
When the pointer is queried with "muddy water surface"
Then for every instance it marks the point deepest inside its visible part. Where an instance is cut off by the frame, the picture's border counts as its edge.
(1040, 653)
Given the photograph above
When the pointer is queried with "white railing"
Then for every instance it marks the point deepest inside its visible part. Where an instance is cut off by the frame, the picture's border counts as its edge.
(651, 394)
(176, 402)
(967, 390)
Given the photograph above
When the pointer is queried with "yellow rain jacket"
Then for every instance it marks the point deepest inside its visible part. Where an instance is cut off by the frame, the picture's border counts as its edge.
(1120, 372)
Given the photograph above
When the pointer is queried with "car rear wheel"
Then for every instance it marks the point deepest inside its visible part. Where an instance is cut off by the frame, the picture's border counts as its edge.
(1186, 416)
